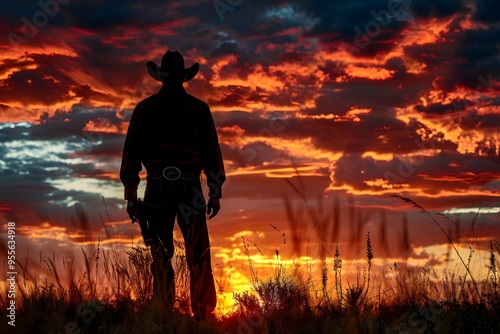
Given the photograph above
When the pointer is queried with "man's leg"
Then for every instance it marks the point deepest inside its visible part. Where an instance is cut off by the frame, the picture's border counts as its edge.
(193, 225)
(163, 278)
(161, 219)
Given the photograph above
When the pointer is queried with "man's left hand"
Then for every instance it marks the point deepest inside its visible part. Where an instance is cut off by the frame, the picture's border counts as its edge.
(133, 210)
(213, 207)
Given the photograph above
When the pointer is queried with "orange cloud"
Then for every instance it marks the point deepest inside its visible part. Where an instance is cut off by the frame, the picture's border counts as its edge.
(374, 73)
(103, 126)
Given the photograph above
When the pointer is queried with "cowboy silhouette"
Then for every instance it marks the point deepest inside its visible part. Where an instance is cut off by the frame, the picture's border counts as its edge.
(173, 135)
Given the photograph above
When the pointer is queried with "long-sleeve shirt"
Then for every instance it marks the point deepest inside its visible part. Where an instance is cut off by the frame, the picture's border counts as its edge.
(172, 128)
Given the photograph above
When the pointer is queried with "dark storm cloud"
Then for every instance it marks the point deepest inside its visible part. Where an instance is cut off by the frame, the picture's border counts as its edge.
(344, 24)
(490, 122)
(51, 146)
(7, 64)
(271, 20)
(487, 11)
(14, 185)
(236, 95)
(35, 87)
(440, 109)
(378, 96)
(479, 47)
(447, 170)
(51, 82)
(481, 66)
(68, 125)
(463, 114)
(468, 60)
(251, 123)
(438, 9)
(12, 11)
(109, 148)
(399, 90)
(56, 152)
(376, 132)
(433, 55)
(95, 14)
(254, 154)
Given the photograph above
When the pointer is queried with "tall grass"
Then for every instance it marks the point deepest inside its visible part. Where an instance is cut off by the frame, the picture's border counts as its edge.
(450, 242)
(112, 293)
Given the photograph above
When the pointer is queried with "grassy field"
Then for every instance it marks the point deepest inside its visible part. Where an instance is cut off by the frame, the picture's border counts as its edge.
(113, 294)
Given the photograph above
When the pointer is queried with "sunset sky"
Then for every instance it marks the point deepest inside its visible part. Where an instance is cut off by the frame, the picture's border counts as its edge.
(324, 107)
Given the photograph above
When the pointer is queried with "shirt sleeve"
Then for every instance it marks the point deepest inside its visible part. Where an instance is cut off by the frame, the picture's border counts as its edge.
(131, 162)
(214, 165)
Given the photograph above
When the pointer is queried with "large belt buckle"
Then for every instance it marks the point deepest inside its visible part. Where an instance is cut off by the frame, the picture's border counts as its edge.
(172, 173)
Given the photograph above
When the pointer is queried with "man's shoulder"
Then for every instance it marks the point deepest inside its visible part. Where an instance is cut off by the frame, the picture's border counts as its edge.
(143, 106)
(148, 100)
(197, 102)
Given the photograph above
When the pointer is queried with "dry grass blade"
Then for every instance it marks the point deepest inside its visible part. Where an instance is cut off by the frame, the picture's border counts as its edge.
(279, 231)
(407, 200)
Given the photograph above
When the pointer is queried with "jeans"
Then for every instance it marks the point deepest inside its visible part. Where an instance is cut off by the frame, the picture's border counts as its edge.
(182, 198)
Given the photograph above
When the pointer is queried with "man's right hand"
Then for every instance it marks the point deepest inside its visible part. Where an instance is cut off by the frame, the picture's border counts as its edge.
(213, 207)
(133, 210)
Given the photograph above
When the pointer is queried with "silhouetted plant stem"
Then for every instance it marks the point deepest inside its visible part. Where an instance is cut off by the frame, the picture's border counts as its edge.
(407, 200)
(337, 268)
(369, 256)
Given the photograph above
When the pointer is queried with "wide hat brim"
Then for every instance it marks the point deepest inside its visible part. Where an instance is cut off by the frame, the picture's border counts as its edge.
(156, 72)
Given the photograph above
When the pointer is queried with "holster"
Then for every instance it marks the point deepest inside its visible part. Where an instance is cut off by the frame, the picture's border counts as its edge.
(142, 219)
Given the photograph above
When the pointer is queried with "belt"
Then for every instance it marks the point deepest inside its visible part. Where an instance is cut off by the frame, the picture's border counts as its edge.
(173, 173)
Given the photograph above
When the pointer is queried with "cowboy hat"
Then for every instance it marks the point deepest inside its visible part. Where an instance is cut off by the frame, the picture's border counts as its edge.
(172, 66)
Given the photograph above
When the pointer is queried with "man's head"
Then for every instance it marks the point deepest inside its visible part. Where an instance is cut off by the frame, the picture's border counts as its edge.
(172, 70)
